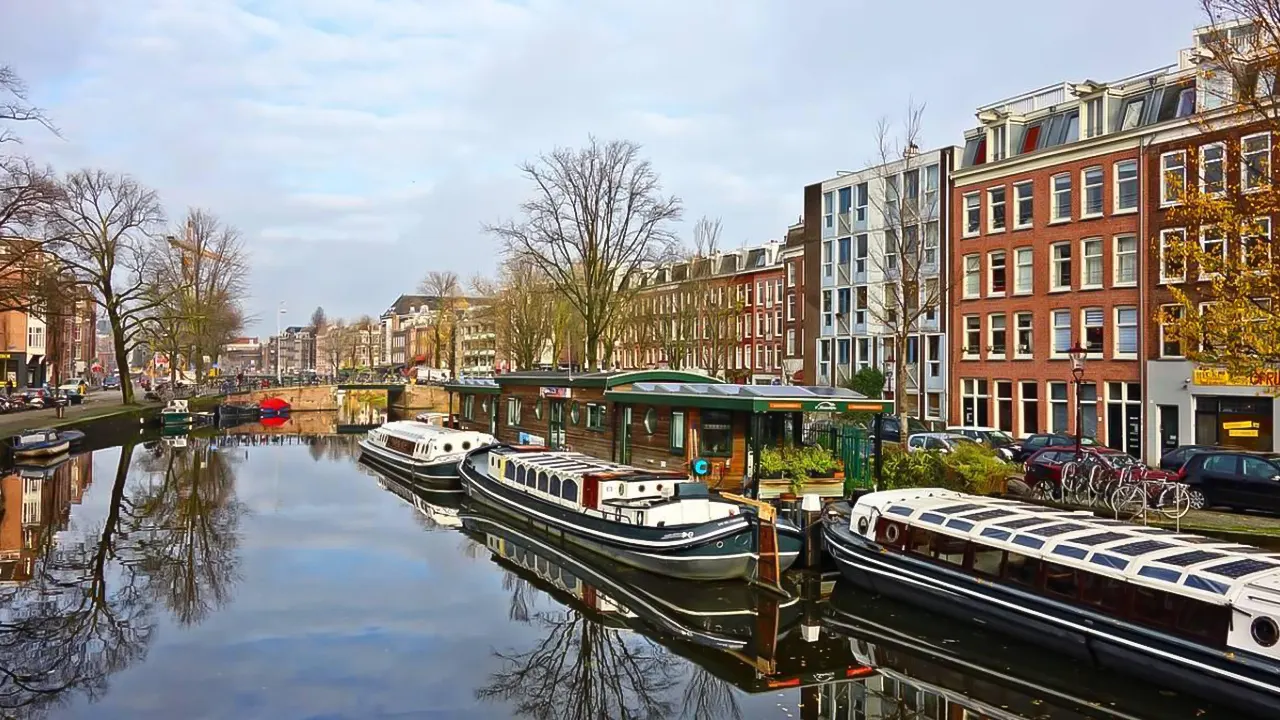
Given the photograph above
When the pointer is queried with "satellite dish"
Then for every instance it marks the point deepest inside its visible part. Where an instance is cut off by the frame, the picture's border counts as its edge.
(701, 467)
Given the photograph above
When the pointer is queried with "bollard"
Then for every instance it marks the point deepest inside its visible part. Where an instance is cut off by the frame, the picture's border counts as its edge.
(61, 411)
(811, 521)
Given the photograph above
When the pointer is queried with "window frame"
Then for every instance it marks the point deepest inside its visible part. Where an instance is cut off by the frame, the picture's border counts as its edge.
(1031, 265)
(1245, 187)
(1090, 351)
(968, 352)
(1054, 285)
(992, 352)
(1222, 165)
(1018, 354)
(1054, 217)
(1018, 199)
(1084, 192)
(976, 197)
(1116, 255)
(1054, 314)
(1204, 251)
(991, 270)
(965, 274)
(676, 441)
(1116, 207)
(1165, 200)
(1164, 279)
(1162, 327)
(1085, 257)
(991, 209)
(1116, 350)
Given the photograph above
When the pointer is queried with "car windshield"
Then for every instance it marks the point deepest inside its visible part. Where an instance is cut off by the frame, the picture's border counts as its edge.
(999, 437)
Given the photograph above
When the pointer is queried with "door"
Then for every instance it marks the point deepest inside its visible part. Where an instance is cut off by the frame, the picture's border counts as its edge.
(493, 418)
(624, 437)
(1168, 428)
(555, 424)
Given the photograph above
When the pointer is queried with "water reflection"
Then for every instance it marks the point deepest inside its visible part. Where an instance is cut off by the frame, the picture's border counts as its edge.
(83, 604)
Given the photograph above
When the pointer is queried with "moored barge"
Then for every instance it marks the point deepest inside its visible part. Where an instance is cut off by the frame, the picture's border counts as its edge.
(1179, 610)
(663, 522)
(428, 454)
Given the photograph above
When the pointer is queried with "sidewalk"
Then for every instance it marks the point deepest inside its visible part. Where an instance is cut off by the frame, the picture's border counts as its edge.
(99, 404)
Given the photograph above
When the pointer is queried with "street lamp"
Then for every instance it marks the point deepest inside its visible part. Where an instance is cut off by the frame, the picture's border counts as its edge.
(278, 341)
(1077, 353)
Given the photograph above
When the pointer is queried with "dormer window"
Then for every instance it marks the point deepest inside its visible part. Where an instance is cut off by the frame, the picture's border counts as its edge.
(1095, 117)
(997, 146)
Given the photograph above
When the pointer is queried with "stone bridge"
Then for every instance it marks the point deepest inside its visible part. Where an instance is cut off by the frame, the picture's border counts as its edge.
(305, 398)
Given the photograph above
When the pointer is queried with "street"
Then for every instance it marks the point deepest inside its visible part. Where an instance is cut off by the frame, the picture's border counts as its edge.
(96, 403)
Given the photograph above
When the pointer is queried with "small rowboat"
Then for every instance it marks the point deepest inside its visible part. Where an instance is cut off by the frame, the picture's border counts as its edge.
(39, 443)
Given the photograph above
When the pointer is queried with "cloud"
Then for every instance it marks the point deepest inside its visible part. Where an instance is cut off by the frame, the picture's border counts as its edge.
(359, 145)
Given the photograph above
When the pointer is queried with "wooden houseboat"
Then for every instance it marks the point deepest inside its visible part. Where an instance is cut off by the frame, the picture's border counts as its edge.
(428, 454)
(663, 522)
(1180, 610)
(660, 420)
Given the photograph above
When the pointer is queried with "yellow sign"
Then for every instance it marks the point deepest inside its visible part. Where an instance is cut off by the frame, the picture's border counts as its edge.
(1242, 433)
(5, 356)
(786, 406)
(1219, 376)
(1240, 425)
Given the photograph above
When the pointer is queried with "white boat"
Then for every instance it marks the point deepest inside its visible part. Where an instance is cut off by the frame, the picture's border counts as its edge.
(44, 442)
(427, 453)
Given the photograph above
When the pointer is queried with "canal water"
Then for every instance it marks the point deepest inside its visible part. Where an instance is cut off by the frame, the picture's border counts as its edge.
(265, 573)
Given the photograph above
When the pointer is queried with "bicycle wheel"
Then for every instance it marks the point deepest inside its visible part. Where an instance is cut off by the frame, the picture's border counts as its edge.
(1043, 491)
(1173, 501)
(1128, 501)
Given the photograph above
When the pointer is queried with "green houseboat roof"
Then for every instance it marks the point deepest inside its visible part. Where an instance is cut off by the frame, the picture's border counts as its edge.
(480, 386)
(609, 379)
(750, 398)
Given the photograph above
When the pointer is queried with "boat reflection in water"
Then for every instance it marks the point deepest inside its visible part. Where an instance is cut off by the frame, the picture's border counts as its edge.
(439, 509)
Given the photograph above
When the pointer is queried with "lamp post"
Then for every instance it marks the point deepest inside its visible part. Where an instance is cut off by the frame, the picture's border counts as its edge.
(278, 341)
(1077, 353)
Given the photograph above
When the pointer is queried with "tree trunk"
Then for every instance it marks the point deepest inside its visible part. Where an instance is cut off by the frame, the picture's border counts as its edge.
(122, 356)
(900, 386)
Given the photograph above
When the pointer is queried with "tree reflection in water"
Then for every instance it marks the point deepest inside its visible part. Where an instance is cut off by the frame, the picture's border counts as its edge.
(89, 609)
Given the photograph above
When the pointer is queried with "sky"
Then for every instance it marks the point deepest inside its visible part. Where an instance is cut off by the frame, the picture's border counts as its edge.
(359, 144)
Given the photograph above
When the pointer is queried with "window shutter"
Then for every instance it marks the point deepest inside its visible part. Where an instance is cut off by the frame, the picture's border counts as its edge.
(1128, 336)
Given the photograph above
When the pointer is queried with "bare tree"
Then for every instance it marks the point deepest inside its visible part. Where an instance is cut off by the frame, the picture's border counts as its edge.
(906, 195)
(103, 224)
(521, 310)
(596, 218)
(444, 289)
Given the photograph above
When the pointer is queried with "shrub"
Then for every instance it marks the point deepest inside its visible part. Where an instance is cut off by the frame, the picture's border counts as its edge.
(971, 468)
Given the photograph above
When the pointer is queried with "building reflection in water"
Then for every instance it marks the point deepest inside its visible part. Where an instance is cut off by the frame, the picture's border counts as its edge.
(36, 501)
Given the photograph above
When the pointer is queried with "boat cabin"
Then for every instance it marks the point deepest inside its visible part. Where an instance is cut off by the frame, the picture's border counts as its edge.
(28, 438)
(664, 420)
(608, 490)
(427, 443)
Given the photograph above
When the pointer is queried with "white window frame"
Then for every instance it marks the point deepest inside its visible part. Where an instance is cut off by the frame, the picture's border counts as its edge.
(1169, 279)
(991, 209)
(1222, 238)
(966, 272)
(991, 276)
(1116, 352)
(1116, 208)
(1018, 198)
(976, 198)
(1053, 267)
(1084, 332)
(967, 352)
(1022, 406)
(1030, 253)
(1162, 325)
(1054, 217)
(1050, 403)
(1085, 257)
(992, 353)
(1166, 199)
(1265, 223)
(1245, 186)
(1054, 326)
(1018, 354)
(1117, 255)
(1084, 192)
(1222, 162)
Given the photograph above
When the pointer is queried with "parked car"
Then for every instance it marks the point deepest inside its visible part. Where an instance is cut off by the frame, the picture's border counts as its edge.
(1237, 479)
(1031, 444)
(891, 429)
(75, 391)
(998, 440)
(1047, 463)
(938, 441)
(1176, 458)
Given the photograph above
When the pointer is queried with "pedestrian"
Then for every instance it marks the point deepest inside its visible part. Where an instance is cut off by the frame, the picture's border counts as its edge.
(8, 387)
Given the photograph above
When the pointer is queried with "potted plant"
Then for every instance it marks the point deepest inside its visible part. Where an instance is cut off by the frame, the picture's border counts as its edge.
(772, 464)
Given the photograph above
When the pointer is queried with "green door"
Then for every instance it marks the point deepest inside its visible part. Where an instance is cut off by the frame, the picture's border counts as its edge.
(555, 424)
(624, 437)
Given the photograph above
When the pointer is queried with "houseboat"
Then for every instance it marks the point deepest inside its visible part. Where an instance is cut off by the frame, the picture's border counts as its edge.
(1195, 613)
(663, 522)
(274, 407)
(176, 412)
(428, 454)
(44, 442)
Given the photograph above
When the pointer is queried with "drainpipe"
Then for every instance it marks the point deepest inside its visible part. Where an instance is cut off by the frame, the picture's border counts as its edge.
(1143, 287)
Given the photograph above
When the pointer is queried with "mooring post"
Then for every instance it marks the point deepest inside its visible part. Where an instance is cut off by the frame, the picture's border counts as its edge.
(811, 521)
(879, 446)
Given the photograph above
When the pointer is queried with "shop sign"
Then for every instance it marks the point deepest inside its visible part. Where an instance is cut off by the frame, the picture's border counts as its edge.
(787, 406)
(555, 392)
(6, 356)
(1220, 376)
(1243, 433)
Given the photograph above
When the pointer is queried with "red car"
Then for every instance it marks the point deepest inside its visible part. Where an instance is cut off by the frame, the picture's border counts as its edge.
(1047, 464)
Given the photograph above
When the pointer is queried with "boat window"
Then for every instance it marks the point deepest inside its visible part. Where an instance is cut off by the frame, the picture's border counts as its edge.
(555, 485)
(1202, 620)
(1111, 561)
(520, 475)
(1102, 592)
(1153, 607)
(1028, 541)
(1201, 583)
(1071, 552)
(1021, 569)
(1061, 580)
(569, 490)
(919, 541)
(932, 518)
(511, 471)
(1159, 573)
(900, 510)
(466, 445)
(542, 481)
(948, 549)
(987, 560)
(996, 534)
(448, 447)
(716, 439)
(961, 525)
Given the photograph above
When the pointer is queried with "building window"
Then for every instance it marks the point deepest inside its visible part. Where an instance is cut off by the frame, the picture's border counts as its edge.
(1126, 260)
(1023, 271)
(995, 209)
(791, 307)
(1091, 263)
(860, 203)
(1004, 405)
(1213, 177)
(1124, 417)
(1029, 391)
(1022, 325)
(1126, 185)
(1060, 266)
(595, 416)
(1213, 247)
(1088, 409)
(1092, 196)
(716, 438)
(930, 189)
(997, 145)
(791, 274)
(1255, 244)
(972, 214)
(1172, 266)
(1170, 342)
(997, 335)
(1127, 331)
(513, 411)
(974, 403)
(1022, 197)
(972, 276)
(677, 432)
(931, 244)
(1093, 118)
(1131, 113)
(1173, 176)
(35, 339)
(1255, 162)
(1061, 332)
(972, 336)
(791, 342)
(933, 346)
(1095, 320)
(1061, 207)
(1057, 407)
(996, 273)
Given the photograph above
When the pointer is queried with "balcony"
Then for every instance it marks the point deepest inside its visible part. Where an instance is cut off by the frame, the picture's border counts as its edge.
(844, 223)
